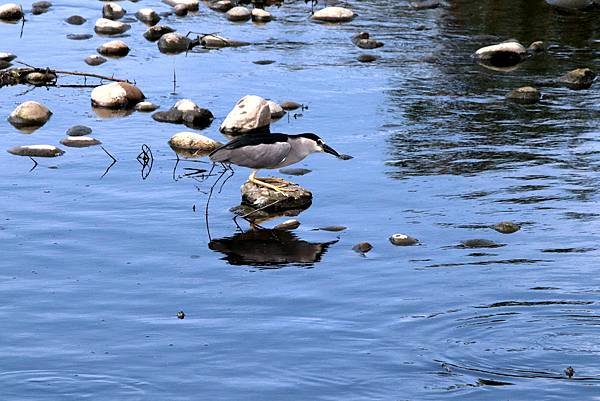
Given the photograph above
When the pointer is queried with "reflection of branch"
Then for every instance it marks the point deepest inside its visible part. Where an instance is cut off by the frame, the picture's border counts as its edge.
(212, 188)
(112, 164)
(146, 159)
(34, 165)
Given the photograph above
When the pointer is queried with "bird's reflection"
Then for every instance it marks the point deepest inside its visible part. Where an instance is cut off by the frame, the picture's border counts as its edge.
(269, 249)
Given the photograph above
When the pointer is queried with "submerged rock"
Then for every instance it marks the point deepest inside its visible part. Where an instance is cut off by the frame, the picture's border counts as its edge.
(173, 43)
(294, 171)
(333, 229)
(507, 227)
(221, 5)
(239, 14)
(505, 54)
(149, 16)
(366, 58)
(79, 130)
(290, 105)
(146, 106)
(40, 7)
(116, 95)
(333, 14)
(425, 4)
(276, 110)
(403, 240)
(29, 114)
(114, 48)
(193, 141)
(79, 141)
(524, 95)
(154, 33)
(191, 5)
(364, 41)
(479, 243)
(292, 196)
(291, 224)
(362, 247)
(94, 60)
(106, 26)
(36, 151)
(259, 15)
(11, 12)
(75, 20)
(581, 78)
(250, 114)
(80, 36)
(113, 11)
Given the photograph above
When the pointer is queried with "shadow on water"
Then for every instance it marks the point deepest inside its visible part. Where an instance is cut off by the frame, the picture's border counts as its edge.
(269, 249)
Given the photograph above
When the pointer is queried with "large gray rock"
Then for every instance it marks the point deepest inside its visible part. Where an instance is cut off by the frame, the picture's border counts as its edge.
(173, 43)
(251, 113)
(334, 14)
(113, 11)
(11, 12)
(29, 114)
(505, 54)
(36, 151)
(106, 26)
(292, 196)
(116, 95)
(581, 78)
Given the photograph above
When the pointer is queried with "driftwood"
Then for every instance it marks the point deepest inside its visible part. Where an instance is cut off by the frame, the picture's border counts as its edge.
(30, 75)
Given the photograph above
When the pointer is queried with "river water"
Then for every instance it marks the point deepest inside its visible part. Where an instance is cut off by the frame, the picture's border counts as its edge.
(95, 265)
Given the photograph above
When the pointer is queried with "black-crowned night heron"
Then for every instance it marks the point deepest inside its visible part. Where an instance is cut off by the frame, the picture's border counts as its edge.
(269, 151)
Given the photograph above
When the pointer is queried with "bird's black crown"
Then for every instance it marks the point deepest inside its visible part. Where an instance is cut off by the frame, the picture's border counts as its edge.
(310, 135)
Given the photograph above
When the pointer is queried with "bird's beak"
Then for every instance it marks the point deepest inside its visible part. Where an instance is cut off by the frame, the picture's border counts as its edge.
(330, 150)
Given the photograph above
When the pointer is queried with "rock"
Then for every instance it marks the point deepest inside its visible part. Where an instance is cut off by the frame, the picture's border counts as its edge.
(334, 14)
(40, 7)
(115, 48)
(36, 151)
(180, 10)
(112, 11)
(94, 60)
(332, 228)
(222, 5)
(4, 64)
(116, 95)
(239, 14)
(295, 171)
(425, 4)
(40, 78)
(198, 118)
(146, 106)
(505, 54)
(29, 114)
(149, 16)
(75, 20)
(180, 315)
(187, 112)
(289, 105)
(276, 110)
(506, 227)
(193, 141)
(170, 116)
(263, 62)
(479, 243)
(581, 78)
(571, 4)
(259, 15)
(216, 42)
(524, 95)
(173, 43)
(293, 196)
(364, 41)
(106, 26)
(403, 240)
(11, 12)
(79, 141)
(79, 130)
(250, 114)
(184, 105)
(155, 32)
(291, 224)
(569, 372)
(537, 47)
(80, 36)
(366, 58)
(8, 57)
(191, 5)
(362, 247)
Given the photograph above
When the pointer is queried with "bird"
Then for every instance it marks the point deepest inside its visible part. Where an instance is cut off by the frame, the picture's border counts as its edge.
(269, 151)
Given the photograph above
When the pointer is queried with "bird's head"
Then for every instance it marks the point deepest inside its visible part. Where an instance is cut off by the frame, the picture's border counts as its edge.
(318, 144)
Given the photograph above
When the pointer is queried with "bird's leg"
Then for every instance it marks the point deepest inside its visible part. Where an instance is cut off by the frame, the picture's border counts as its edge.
(252, 178)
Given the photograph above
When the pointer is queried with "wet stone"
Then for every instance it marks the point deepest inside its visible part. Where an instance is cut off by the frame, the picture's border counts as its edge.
(362, 247)
(505, 54)
(537, 47)
(80, 36)
(148, 16)
(173, 43)
(479, 243)
(425, 4)
(364, 41)
(292, 196)
(36, 151)
(263, 62)
(366, 58)
(75, 20)
(146, 106)
(154, 33)
(332, 228)
(403, 240)
(193, 141)
(507, 227)
(180, 315)
(261, 16)
(113, 11)
(221, 5)
(250, 114)
(571, 4)
(275, 109)
(29, 114)
(291, 224)
(295, 171)
(198, 118)
(94, 60)
(5, 56)
(10, 12)
(580, 78)
(217, 42)
(239, 14)
(114, 48)
(180, 10)
(333, 14)
(116, 95)
(4, 64)
(79, 141)
(106, 26)
(40, 7)
(289, 105)
(79, 130)
(524, 95)
(191, 5)
(170, 116)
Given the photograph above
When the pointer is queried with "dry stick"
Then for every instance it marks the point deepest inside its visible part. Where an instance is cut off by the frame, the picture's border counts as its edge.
(75, 73)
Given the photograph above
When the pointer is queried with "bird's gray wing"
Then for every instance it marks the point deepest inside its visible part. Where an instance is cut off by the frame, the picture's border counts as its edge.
(262, 155)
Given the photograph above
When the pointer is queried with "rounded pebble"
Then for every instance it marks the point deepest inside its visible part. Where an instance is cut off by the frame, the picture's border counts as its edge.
(403, 240)
(362, 247)
(79, 130)
(507, 227)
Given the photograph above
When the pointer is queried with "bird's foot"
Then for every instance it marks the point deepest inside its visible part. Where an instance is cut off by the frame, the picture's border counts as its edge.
(263, 183)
